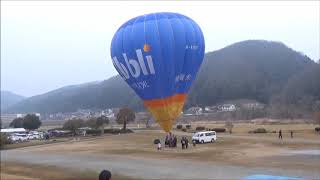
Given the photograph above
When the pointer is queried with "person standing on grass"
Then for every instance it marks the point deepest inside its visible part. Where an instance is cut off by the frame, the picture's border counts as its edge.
(187, 142)
(175, 141)
(280, 134)
(170, 139)
(182, 143)
(166, 142)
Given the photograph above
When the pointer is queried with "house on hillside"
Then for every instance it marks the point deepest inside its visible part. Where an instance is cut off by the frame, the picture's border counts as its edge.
(23, 115)
(194, 110)
(254, 105)
(211, 109)
(108, 113)
(13, 130)
(227, 107)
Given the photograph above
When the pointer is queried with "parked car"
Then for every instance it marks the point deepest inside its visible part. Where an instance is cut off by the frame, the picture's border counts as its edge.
(204, 136)
(17, 137)
(34, 135)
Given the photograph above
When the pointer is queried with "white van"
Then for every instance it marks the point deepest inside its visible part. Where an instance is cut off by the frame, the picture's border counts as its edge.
(204, 136)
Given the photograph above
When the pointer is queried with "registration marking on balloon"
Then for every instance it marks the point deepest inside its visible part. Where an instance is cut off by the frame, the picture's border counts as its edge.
(183, 77)
(140, 85)
(192, 47)
(159, 55)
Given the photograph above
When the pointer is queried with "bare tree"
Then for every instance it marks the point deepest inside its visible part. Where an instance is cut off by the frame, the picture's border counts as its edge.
(124, 116)
(316, 118)
(101, 122)
(146, 119)
(98, 123)
(229, 126)
(73, 125)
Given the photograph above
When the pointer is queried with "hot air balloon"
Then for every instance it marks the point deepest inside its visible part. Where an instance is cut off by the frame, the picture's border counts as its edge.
(158, 55)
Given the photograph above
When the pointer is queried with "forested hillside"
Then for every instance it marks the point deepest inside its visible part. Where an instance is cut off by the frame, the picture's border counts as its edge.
(265, 71)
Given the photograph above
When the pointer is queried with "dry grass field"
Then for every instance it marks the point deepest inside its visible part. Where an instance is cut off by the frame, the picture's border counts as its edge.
(33, 143)
(23, 171)
(15, 171)
(300, 130)
(240, 149)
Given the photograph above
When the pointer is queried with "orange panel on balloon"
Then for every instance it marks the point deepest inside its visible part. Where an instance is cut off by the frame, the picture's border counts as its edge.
(166, 110)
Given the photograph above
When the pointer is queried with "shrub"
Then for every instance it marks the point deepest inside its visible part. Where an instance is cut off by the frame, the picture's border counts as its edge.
(93, 131)
(188, 126)
(218, 129)
(4, 140)
(117, 131)
(108, 131)
(260, 130)
(317, 129)
(125, 131)
(229, 125)
(179, 126)
(184, 129)
(111, 131)
(200, 128)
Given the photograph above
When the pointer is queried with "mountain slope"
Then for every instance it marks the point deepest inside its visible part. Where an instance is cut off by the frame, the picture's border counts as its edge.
(253, 69)
(113, 92)
(303, 90)
(8, 98)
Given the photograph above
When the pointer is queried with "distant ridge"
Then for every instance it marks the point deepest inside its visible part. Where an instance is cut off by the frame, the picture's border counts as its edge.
(252, 69)
(9, 98)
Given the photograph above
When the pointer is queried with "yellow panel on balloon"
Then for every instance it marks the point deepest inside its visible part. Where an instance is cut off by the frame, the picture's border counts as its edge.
(166, 110)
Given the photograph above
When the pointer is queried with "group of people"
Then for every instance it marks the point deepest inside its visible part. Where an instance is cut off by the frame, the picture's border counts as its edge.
(171, 142)
(280, 134)
(184, 142)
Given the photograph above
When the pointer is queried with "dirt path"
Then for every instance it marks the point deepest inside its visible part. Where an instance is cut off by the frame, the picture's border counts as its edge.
(146, 168)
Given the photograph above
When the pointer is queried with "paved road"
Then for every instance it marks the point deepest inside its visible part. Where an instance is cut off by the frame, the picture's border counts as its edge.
(146, 168)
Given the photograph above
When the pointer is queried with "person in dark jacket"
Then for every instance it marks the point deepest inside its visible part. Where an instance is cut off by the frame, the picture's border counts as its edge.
(183, 143)
(170, 139)
(175, 141)
(186, 142)
(166, 142)
(291, 133)
(280, 134)
(105, 175)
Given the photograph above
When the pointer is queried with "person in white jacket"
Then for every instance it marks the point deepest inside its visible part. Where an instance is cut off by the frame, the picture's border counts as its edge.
(159, 146)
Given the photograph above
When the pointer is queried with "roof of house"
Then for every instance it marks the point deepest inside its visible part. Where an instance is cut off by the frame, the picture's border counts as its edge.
(8, 130)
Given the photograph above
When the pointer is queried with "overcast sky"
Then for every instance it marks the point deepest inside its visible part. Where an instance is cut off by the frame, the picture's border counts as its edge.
(48, 45)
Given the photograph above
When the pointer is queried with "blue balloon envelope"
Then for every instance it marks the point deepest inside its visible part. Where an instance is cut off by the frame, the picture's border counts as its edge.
(159, 55)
